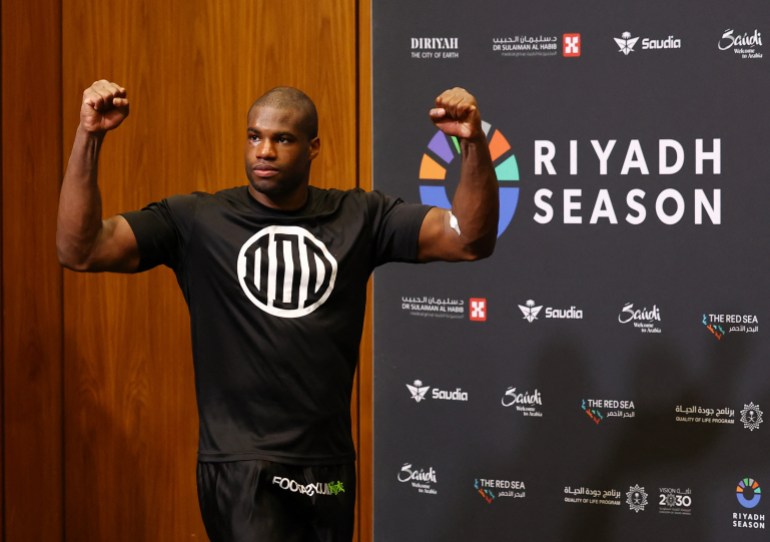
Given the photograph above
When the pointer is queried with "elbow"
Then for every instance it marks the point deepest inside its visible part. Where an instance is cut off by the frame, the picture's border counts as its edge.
(480, 250)
(68, 262)
(71, 258)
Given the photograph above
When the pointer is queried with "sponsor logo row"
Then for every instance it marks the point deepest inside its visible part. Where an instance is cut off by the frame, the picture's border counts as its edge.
(645, 318)
(529, 403)
(745, 44)
(637, 498)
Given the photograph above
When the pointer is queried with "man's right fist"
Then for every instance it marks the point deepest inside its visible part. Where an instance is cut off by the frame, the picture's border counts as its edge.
(104, 107)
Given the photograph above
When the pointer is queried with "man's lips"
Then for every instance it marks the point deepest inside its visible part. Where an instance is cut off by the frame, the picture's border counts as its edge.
(264, 171)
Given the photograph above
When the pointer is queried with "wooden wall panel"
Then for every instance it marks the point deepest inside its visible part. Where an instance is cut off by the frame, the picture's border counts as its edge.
(31, 287)
(192, 69)
(365, 400)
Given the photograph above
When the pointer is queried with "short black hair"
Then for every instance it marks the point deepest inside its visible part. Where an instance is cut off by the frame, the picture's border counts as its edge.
(291, 98)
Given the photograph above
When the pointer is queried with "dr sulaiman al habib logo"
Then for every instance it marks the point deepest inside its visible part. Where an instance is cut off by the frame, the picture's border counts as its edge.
(286, 271)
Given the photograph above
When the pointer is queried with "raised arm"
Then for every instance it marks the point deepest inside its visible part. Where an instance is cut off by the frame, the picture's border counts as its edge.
(84, 241)
(469, 230)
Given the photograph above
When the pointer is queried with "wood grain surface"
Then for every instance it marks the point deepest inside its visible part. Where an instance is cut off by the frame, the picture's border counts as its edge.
(32, 279)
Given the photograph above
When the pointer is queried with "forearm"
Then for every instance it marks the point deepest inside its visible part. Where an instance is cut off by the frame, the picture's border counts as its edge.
(475, 204)
(79, 222)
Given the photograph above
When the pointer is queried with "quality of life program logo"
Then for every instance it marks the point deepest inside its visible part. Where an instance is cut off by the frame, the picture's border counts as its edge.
(440, 166)
(751, 416)
(636, 498)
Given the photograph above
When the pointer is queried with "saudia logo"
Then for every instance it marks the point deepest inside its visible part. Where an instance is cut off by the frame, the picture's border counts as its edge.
(444, 151)
(286, 271)
(626, 43)
(419, 392)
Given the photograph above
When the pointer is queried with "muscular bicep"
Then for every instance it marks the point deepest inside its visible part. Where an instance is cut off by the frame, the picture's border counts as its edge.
(440, 238)
(443, 237)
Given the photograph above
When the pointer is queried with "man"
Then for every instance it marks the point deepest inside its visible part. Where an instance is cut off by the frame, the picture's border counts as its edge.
(274, 275)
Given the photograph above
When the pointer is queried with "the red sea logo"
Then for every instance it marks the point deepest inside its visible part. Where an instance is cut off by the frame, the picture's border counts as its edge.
(572, 45)
(486, 494)
(440, 155)
(595, 415)
(748, 493)
(478, 311)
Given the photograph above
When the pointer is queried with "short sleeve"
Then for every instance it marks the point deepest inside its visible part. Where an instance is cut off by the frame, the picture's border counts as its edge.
(396, 228)
(162, 230)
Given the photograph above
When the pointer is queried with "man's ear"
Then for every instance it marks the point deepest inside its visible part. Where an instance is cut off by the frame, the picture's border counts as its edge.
(315, 147)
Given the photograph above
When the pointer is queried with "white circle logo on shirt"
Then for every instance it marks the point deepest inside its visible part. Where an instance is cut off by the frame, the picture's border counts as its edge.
(286, 271)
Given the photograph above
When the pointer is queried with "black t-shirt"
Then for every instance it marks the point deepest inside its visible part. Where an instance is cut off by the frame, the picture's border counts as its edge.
(276, 304)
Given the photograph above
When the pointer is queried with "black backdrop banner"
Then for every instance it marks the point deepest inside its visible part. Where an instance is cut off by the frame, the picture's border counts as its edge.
(605, 375)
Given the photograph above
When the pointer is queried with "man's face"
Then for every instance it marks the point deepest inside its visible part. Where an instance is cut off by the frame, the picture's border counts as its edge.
(278, 154)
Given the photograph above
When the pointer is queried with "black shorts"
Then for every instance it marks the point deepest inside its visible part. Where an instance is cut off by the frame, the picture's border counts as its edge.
(262, 501)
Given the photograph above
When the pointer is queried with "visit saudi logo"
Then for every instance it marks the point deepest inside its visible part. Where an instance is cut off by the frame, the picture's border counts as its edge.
(440, 166)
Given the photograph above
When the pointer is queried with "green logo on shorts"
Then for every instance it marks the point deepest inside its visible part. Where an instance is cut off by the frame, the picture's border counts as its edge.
(335, 488)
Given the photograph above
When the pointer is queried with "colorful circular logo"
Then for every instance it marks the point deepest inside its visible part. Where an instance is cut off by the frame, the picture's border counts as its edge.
(441, 154)
(748, 493)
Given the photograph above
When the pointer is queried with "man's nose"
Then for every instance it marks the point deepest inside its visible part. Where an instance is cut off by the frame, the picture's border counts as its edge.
(265, 149)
